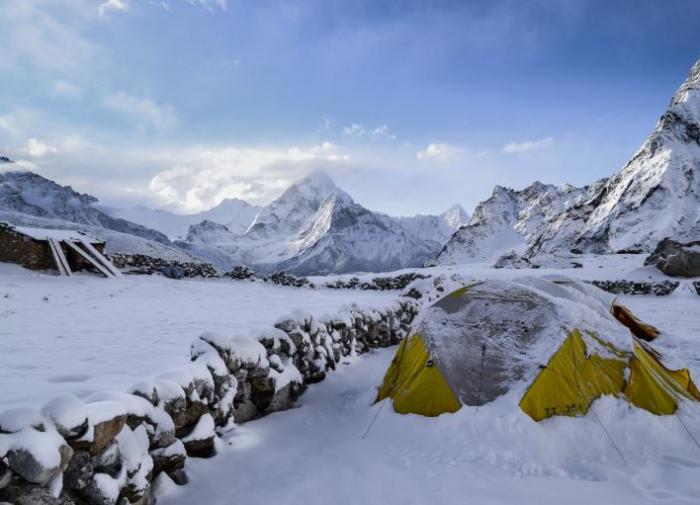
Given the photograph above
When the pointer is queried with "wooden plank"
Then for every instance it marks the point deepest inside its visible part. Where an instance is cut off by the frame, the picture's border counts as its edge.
(101, 258)
(89, 258)
(59, 257)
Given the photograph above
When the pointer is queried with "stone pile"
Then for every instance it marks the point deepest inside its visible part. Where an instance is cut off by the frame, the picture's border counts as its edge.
(286, 279)
(111, 448)
(240, 272)
(622, 287)
(397, 282)
(148, 265)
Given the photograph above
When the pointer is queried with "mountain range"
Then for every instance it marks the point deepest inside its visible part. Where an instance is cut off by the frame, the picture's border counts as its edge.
(654, 196)
(314, 227)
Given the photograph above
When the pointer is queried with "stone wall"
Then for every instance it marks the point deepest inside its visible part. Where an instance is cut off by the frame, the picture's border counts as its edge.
(114, 447)
(622, 287)
(16, 247)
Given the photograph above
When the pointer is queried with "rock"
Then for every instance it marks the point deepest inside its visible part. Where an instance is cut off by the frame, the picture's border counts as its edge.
(5, 475)
(287, 279)
(169, 459)
(105, 432)
(22, 493)
(240, 272)
(148, 265)
(14, 420)
(676, 259)
(622, 287)
(199, 443)
(378, 283)
(79, 472)
(68, 414)
(245, 411)
(513, 260)
(173, 272)
(30, 462)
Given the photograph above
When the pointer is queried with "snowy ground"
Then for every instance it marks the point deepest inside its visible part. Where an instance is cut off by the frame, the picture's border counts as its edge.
(87, 333)
(83, 334)
(318, 454)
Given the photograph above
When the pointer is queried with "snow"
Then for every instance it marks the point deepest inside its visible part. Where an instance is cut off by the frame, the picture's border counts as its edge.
(82, 334)
(203, 429)
(66, 411)
(492, 454)
(46, 233)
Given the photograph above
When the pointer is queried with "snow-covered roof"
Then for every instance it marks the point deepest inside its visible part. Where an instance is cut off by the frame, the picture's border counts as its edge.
(58, 234)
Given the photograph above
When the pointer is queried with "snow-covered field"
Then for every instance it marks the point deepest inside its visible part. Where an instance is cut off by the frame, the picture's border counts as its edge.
(319, 454)
(86, 333)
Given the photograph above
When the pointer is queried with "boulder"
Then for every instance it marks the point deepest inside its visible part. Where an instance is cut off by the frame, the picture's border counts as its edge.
(37, 456)
(245, 411)
(14, 420)
(199, 443)
(22, 493)
(68, 414)
(169, 459)
(676, 259)
(513, 260)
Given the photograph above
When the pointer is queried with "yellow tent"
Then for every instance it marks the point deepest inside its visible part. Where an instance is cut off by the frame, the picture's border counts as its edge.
(473, 345)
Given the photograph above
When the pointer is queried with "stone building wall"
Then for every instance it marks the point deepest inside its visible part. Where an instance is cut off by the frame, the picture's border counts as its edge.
(16, 247)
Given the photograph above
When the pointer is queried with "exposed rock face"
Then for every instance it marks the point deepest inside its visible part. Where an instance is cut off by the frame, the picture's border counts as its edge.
(676, 259)
(507, 221)
(654, 196)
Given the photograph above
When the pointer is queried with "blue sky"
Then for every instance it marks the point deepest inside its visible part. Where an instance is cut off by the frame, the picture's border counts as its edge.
(409, 105)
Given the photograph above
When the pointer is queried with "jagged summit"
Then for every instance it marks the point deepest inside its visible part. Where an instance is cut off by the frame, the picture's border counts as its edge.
(5, 159)
(655, 195)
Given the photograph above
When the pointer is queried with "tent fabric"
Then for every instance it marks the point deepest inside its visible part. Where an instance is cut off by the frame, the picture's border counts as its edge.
(572, 380)
(476, 343)
(654, 387)
(415, 383)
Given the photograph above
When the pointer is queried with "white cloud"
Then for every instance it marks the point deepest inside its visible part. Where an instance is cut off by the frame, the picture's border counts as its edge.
(203, 178)
(112, 5)
(44, 38)
(527, 145)
(357, 130)
(440, 151)
(66, 89)
(38, 149)
(142, 111)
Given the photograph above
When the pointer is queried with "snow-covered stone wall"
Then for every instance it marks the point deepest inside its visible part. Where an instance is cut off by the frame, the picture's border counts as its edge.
(114, 448)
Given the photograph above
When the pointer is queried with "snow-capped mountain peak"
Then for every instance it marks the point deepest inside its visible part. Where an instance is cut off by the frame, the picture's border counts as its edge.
(455, 217)
(655, 195)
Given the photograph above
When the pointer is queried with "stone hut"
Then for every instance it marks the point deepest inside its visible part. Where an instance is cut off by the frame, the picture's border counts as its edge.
(65, 251)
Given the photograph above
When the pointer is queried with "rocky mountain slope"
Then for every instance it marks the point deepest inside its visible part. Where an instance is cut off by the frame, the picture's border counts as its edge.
(314, 227)
(655, 195)
(508, 220)
(31, 194)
